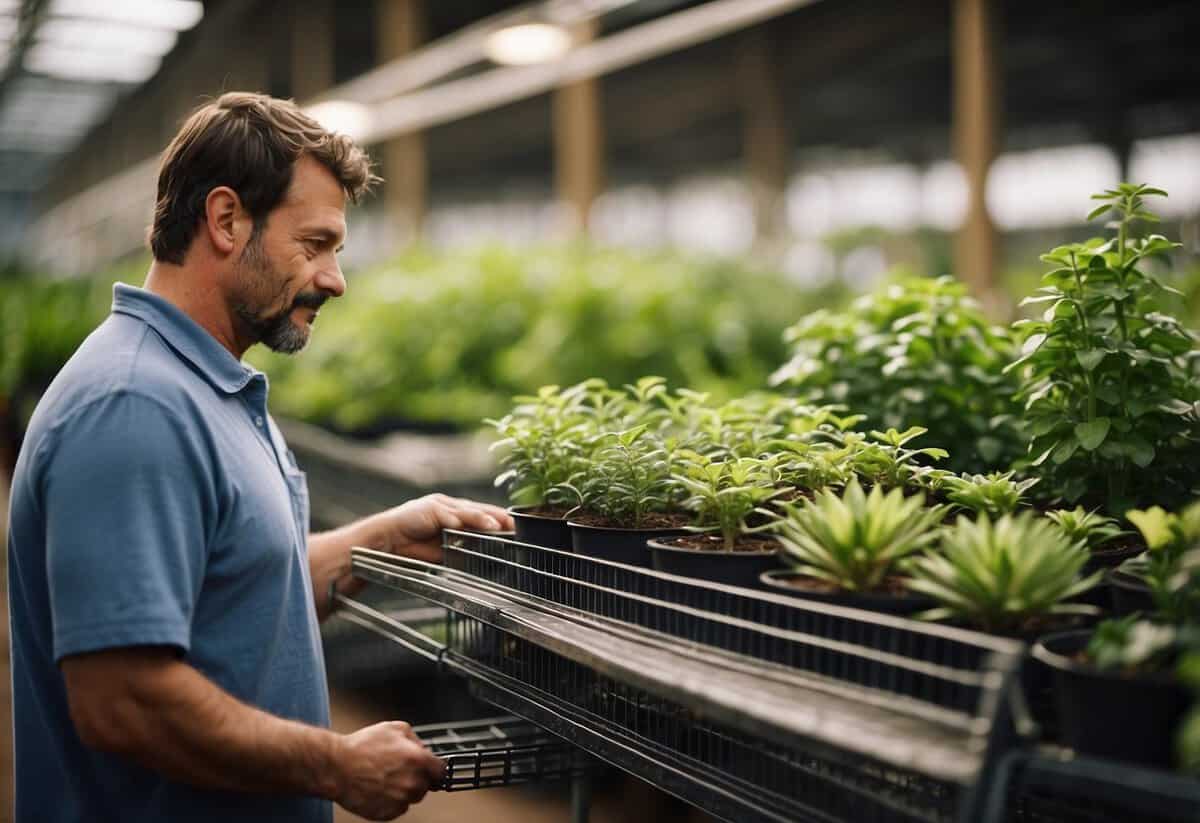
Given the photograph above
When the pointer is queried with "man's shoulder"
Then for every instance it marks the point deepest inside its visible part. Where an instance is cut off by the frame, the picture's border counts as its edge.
(123, 362)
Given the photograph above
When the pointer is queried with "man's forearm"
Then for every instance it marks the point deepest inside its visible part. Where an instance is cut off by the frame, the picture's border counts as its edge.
(329, 559)
(175, 721)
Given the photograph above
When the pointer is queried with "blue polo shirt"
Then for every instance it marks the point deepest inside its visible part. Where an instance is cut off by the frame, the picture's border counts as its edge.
(155, 503)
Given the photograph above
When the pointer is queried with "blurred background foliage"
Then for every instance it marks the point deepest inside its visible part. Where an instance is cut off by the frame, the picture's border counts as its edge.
(439, 340)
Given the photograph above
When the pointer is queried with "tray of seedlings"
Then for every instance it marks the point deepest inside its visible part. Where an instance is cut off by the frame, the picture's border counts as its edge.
(918, 580)
(753, 706)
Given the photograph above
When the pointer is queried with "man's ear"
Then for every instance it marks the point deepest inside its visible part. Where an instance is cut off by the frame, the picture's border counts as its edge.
(222, 208)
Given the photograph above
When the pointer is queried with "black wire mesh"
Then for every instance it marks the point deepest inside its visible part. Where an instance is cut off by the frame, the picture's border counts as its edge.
(932, 665)
(1041, 788)
(774, 782)
(945, 688)
(898, 717)
(498, 751)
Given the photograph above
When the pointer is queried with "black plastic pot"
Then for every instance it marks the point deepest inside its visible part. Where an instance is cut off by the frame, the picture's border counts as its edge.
(1110, 558)
(775, 581)
(1149, 707)
(618, 545)
(550, 532)
(1129, 593)
(731, 568)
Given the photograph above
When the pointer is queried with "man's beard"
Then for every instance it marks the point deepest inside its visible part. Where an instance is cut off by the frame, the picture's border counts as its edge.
(276, 331)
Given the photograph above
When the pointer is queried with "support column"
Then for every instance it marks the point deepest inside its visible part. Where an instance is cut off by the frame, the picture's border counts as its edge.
(312, 48)
(765, 140)
(405, 164)
(579, 140)
(976, 112)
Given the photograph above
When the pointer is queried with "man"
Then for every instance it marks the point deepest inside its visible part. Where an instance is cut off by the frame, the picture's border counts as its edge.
(164, 591)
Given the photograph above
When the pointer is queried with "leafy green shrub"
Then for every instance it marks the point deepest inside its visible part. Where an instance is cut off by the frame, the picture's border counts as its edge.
(992, 494)
(42, 323)
(918, 352)
(626, 477)
(449, 338)
(724, 493)
(1109, 384)
(999, 575)
(540, 443)
(855, 540)
(880, 458)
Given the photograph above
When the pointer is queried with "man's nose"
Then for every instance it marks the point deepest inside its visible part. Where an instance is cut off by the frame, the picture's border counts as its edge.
(330, 279)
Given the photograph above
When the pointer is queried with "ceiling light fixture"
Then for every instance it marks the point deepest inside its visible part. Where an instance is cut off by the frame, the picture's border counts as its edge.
(527, 44)
(179, 15)
(105, 35)
(342, 116)
(90, 66)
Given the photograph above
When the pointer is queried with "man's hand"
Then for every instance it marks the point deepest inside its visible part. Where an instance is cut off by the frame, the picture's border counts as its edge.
(414, 529)
(383, 769)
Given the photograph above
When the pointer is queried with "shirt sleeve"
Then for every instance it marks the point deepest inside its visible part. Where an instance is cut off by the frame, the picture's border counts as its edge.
(127, 501)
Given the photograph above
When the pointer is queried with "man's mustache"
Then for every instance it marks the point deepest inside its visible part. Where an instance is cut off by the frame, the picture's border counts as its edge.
(311, 300)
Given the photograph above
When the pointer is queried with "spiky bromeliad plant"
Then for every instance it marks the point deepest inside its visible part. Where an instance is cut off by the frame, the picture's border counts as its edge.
(1091, 527)
(855, 540)
(1109, 384)
(993, 494)
(1000, 574)
(724, 493)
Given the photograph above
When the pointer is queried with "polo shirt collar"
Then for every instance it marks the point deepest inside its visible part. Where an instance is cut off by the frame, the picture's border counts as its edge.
(187, 337)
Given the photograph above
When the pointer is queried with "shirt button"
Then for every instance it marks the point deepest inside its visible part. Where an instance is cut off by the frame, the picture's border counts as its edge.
(258, 421)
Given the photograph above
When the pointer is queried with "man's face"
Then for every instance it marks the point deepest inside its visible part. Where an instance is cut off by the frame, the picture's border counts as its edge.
(288, 268)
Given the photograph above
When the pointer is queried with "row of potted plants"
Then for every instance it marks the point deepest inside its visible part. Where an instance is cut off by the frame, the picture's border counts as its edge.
(795, 493)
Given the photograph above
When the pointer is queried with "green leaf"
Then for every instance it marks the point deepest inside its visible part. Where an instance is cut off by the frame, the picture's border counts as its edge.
(1099, 210)
(1033, 343)
(1092, 434)
(1090, 358)
(1065, 451)
(1140, 451)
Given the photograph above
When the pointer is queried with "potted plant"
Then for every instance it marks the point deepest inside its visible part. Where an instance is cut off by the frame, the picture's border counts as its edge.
(1138, 665)
(993, 494)
(1144, 582)
(1188, 742)
(883, 459)
(1125, 666)
(1012, 576)
(625, 495)
(1097, 532)
(541, 445)
(722, 494)
(1108, 380)
(847, 548)
(1017, 576)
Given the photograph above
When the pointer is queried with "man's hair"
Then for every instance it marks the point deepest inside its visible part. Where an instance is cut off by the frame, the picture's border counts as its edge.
(250, 143)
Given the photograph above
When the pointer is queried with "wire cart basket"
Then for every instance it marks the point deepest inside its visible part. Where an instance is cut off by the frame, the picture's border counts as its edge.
(750, 705)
